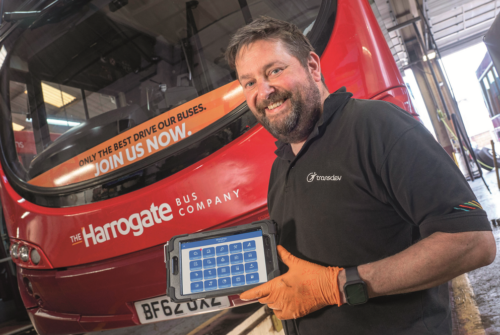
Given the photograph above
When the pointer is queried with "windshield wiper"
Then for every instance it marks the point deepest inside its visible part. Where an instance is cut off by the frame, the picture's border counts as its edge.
(55, 12)
(21, 15)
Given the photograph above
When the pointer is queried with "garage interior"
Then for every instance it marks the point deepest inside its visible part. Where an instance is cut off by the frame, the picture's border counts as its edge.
(420, 34)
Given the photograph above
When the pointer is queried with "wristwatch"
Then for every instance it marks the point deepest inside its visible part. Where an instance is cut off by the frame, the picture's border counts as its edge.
(355, 289)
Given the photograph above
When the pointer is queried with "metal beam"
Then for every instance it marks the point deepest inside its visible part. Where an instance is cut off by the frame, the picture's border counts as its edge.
(404, 24)
(443, 101)
(413, 8)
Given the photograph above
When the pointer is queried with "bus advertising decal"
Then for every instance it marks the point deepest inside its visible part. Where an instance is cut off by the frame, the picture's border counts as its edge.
(145, 139)
(145, 219)
(136, 223)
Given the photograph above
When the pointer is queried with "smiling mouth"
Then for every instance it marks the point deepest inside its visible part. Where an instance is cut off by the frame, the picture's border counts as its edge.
(276, 104)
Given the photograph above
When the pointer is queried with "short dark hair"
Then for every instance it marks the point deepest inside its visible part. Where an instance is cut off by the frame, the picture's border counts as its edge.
(268, 28)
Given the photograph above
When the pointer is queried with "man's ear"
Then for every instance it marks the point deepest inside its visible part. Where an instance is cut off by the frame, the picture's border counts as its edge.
(314, 66)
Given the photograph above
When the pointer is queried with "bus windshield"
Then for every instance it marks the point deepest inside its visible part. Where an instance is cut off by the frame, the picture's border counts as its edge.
(119, 81)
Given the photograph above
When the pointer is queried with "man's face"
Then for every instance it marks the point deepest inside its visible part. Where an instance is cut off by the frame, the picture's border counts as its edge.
(280, 92)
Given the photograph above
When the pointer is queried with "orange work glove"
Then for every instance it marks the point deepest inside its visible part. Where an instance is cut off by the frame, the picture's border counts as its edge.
(305, 288)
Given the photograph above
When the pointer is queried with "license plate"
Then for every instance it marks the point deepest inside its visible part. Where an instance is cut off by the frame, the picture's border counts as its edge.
(161, 308)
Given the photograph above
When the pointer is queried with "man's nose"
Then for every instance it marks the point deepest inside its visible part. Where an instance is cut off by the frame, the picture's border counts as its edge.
(265, 89)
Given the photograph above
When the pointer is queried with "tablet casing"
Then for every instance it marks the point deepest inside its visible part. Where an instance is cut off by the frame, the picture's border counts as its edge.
(269, 231)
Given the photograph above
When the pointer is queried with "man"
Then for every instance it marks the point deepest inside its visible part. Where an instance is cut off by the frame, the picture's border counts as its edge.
(355, 185)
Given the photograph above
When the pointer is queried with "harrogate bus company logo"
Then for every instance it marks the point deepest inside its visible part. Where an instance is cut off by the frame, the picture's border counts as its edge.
(313, 176)
(135, 223)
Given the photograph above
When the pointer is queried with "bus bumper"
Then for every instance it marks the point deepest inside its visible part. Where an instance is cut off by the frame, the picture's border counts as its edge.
(95, 296)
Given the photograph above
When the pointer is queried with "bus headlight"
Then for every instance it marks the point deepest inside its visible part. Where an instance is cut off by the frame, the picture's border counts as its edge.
(35, 257)
(28, 255)
(23, 253)
(14, 250)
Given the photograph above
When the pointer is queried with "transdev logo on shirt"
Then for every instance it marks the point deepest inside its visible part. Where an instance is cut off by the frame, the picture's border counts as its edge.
(313, 176)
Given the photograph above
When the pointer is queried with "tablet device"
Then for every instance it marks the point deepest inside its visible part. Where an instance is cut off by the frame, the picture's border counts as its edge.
(221, 262)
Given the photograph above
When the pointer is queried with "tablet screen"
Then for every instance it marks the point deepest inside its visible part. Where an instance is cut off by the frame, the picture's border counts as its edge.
(221, 263)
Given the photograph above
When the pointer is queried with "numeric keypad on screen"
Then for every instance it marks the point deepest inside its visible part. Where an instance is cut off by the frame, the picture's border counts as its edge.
(223, 266)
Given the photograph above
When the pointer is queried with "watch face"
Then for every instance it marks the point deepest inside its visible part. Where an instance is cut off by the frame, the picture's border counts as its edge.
(356, 294)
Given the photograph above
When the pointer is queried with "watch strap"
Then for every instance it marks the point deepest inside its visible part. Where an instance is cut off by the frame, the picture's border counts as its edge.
(351, 274)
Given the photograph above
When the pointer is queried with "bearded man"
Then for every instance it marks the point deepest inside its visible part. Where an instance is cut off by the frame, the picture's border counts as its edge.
(367, 203)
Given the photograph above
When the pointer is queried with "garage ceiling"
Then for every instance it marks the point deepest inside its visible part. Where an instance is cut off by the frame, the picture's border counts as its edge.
(386, 18)
(454, 24)
(458, 24)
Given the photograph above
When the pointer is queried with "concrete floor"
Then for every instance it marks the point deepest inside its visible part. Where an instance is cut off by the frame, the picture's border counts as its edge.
(486, 281)
(213, 323)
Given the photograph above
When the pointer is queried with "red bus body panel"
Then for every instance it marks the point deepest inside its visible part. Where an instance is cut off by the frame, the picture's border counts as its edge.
(94, 287)
(357, 55)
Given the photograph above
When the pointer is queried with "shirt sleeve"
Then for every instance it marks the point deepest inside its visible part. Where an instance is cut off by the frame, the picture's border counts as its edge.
(426, 187)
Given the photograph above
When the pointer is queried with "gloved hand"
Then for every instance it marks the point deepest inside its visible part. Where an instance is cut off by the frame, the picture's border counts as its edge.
(305, 288)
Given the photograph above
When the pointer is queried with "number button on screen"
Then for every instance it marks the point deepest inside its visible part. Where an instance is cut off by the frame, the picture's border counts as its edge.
(194, 254)
(252, 278)
(223, 272)
(250, 256)
(236, 269)
(208, 252)
(196, 275)
(222, 250)
(223, 261)
(211, 285)
(251, 267)
(210, 274)
(238, 280)
(197, 287)
(195, 265)
(236, 258)
(209, 263)
(235, 248)
(224, 282)
(248, 245)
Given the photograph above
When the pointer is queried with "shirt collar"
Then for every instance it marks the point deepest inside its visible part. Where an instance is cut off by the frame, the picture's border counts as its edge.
(334, 102)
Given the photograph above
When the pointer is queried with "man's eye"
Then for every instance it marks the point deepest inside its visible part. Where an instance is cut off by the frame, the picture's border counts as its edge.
(249, 84)
(275, 71)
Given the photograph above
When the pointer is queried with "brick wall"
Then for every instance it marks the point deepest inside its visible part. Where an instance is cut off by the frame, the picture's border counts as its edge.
(482, 139)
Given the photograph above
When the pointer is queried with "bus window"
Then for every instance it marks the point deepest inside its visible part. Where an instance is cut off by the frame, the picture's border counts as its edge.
(492, 93)
(114, 85)
(73, 106)
(23, 133)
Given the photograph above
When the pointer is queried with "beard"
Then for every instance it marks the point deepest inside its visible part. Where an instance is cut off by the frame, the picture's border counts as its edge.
(298, 123)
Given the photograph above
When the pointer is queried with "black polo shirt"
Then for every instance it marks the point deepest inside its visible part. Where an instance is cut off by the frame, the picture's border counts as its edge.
(368, 183)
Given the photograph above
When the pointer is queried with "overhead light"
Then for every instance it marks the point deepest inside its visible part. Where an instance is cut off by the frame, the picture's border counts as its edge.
(431, 54)
(3, 54)
(56, 97)
(17, 127)
(59, 122)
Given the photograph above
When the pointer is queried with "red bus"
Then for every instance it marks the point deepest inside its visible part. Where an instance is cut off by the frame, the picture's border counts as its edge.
(487, 76)
(121, 126)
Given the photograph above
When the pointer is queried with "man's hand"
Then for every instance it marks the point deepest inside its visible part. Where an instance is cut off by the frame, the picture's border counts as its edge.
(305, 288)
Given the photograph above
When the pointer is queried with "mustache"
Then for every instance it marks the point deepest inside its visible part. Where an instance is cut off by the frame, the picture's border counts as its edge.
(273, 98)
